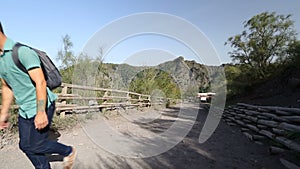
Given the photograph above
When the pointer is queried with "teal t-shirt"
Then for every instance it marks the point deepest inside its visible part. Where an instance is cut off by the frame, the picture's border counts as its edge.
(20, 82)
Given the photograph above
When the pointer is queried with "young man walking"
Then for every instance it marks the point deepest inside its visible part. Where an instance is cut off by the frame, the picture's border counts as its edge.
(36, 105)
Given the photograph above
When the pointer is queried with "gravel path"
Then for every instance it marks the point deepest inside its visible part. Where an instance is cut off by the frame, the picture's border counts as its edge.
(227, 148)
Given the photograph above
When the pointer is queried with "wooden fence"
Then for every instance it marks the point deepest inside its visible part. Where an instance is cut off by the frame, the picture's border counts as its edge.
(77, 99)
(277, 126)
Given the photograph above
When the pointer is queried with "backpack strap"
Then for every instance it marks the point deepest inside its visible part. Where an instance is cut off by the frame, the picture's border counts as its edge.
(15, 57)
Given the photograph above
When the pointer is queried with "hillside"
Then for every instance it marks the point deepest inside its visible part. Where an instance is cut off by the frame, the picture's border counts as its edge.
(280, 90)
(189, 76)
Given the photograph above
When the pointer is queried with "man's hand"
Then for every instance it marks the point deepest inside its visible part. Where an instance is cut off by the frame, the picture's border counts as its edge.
(41, 120)
(4, 121)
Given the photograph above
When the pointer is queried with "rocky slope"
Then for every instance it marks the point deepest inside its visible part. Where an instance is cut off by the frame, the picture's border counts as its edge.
(188, 75)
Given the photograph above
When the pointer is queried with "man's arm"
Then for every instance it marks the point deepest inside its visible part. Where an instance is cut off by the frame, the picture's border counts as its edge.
(37, 75)
(7, 98)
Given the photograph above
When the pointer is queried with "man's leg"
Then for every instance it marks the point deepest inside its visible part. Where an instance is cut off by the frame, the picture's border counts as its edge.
(25, 129)
(44, 145)
(35, 143)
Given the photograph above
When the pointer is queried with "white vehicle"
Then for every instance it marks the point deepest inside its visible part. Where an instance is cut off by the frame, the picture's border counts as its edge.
(206, 97)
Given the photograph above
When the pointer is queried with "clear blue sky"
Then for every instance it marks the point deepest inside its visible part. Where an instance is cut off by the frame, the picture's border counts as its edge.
(43, 23)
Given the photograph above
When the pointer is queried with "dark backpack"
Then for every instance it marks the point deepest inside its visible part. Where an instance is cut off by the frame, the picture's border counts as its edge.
(51, 73)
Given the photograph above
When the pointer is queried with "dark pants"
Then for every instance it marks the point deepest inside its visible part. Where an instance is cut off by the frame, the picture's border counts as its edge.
(35, 144)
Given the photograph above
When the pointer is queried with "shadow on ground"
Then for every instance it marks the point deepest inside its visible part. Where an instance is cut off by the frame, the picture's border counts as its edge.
(226, 148)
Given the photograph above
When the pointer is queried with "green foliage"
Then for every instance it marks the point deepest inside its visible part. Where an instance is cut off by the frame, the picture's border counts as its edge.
(266, 48)
(236, 80)
(81, 69)
(67, 74)
(264, 41)
(232, 73)
(126, 73)
(152, 79)
(204, 89)
(67, 59)
(85, 71)
(294, 54)
(66, 55)
(199, 73)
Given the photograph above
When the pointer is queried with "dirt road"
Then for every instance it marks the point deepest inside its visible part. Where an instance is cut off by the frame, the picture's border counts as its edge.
(227, 148)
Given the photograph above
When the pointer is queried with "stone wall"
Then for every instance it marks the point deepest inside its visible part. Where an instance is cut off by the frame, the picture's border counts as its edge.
(278, 127)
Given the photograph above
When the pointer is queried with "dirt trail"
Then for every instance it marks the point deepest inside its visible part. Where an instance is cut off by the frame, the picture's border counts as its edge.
(227, 148)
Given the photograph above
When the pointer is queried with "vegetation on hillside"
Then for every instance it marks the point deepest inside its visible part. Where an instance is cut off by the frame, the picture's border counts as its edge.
(266, 48)
(176, 79)
(152, 79)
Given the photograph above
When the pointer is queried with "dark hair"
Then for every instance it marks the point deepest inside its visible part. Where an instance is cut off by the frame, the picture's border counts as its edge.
(1, 29)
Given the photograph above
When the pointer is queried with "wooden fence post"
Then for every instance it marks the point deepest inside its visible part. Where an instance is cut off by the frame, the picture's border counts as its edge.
(64, 91)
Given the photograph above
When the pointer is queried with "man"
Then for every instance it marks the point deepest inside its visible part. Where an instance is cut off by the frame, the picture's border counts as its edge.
(36, 105)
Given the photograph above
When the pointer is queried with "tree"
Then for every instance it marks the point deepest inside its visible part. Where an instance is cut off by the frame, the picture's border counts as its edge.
(264, 41)
(67, 59)
(65, 55)
(294, 54)
(153, 79)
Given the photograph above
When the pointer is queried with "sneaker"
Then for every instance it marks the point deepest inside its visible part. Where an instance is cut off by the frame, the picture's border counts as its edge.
(69, 160)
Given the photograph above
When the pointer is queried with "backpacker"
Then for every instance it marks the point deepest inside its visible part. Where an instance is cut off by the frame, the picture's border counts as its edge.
(51, 73)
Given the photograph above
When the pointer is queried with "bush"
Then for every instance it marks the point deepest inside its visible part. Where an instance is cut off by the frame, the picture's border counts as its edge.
(62, 123)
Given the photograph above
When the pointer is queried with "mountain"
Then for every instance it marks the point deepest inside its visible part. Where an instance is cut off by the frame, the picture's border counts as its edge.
(189, 76)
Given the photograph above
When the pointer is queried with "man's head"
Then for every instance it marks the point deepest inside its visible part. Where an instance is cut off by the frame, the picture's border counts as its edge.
(1, 29)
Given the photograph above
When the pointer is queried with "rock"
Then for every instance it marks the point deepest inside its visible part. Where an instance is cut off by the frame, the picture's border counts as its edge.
(288, 164)
(276, 150)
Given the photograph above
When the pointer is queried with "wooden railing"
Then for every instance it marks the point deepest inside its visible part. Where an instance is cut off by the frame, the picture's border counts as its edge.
(77, 99)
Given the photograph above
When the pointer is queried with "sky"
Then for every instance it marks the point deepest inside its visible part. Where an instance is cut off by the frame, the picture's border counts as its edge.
(42, 24)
